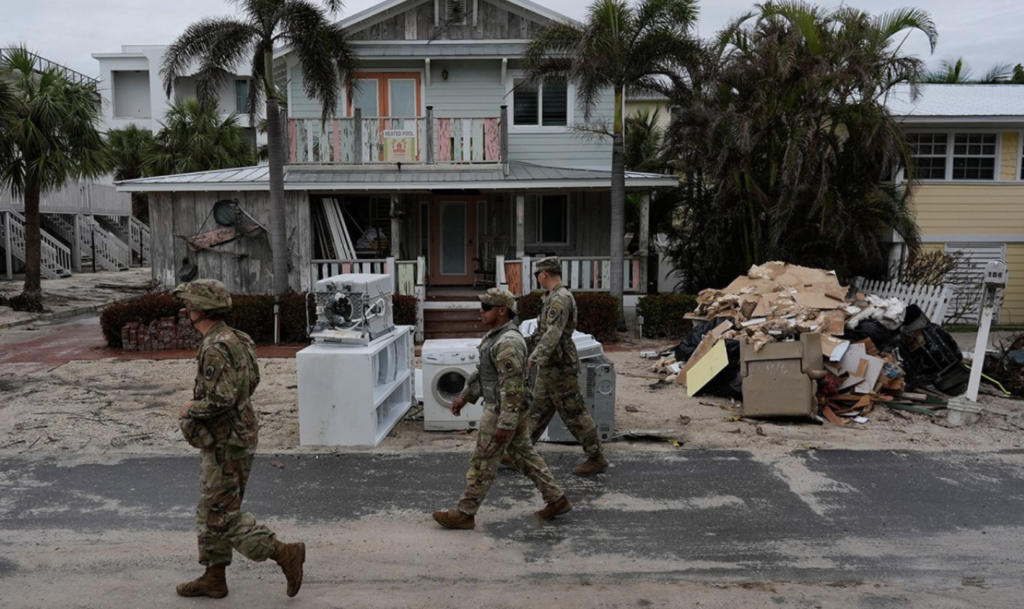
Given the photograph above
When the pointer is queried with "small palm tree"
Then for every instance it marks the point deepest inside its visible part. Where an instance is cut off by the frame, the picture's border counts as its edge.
(128, 148)
(646, 47)
(956, 71)
(195, 137)
(49, 134)
(219, 45)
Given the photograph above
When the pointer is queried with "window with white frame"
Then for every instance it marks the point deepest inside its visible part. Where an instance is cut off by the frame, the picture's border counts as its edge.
(241, 96)
(954, 156)
(974, 156)
(928, 151)
(543, 104)
(552, 219)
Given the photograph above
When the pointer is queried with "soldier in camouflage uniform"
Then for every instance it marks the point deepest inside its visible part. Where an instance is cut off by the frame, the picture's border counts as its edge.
(220, 421)
(500, 379)
(553, 355)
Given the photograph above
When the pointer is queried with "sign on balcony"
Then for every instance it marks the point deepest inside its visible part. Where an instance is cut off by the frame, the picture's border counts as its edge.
(399, 145)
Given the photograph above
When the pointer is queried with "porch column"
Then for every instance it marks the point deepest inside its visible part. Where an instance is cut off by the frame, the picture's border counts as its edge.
(76, 244)
(645, 229)
(431, 136)
(520, 229)
(396, 227)
(7, 245)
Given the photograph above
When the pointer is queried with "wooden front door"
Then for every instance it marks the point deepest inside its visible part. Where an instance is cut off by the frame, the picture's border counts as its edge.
(452, 240)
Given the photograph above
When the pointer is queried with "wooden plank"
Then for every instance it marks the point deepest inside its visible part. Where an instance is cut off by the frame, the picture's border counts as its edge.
(337, 141)
(444, 139)
(477, 142)
(291, 140)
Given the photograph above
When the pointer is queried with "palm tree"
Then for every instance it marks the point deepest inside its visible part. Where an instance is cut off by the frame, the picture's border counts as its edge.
(955, 71)
(646, 47)
(194, 137)
(787, 141)
(218, 45)
(48, 135)
(128, 148)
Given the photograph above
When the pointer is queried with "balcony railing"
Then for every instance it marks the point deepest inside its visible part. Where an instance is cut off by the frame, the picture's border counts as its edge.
(75, 197)
(579, 273)
(424, 140)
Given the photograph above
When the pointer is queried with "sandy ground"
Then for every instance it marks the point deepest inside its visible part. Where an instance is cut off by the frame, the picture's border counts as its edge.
(76, 294)
(130, 407)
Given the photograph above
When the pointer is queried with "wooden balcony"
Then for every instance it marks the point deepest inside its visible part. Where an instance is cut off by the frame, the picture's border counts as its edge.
(425, 140)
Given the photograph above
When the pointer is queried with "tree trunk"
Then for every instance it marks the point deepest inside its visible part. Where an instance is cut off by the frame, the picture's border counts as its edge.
(32, 294)
(618, 201)
(278, 237)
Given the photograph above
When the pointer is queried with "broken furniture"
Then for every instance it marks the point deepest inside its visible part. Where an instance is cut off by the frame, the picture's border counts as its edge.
(780, 379)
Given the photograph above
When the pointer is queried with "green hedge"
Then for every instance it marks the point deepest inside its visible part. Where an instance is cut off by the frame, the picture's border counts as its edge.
(663, 314)
(250, 313)
(598, 313)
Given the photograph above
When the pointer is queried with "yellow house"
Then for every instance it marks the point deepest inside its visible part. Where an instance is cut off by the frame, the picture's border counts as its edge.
(966, 141)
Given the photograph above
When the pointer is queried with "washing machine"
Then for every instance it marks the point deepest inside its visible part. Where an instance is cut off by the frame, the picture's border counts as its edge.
(447, 364)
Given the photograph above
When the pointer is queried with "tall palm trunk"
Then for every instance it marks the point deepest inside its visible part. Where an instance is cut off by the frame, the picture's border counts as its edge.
(618, 202)
(33, 290)
(275, 162)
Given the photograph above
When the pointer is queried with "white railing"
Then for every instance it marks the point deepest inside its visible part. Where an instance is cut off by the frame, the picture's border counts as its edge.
(110, 252)
(55, 258)
(393, 140)
(75, 197)
(932, 299)
(140, 239)
(579, 273)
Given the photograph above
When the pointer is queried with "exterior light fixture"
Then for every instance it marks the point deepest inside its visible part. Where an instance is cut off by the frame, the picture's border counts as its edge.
(444, 74)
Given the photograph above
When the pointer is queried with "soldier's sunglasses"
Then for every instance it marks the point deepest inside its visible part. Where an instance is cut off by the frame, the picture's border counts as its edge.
(485, 307)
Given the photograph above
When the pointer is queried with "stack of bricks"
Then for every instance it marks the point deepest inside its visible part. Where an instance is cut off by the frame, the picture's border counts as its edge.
(165, 334)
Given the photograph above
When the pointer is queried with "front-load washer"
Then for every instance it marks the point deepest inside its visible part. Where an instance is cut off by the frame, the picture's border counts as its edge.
(447, 364)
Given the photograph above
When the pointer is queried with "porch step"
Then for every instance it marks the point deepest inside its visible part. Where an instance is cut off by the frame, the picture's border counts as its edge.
(453, 323)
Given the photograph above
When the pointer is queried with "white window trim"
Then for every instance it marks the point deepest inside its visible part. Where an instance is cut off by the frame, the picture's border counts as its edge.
(950, 136)
(538, 201)
(1020, 157)
(570, 115)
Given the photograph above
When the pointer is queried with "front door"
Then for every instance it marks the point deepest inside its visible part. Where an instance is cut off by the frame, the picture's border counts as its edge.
(452, 241)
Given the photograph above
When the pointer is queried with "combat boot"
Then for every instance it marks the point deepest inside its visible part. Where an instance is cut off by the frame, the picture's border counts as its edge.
(455, 519)
(593, 465)
(555, 508)
(290, 557)
(212, 584)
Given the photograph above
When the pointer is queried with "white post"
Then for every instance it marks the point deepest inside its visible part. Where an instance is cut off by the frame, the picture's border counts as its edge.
(499, 272)
(421, 295)
(525, 275)
(645, 230)
(7, 245)
(396, 228)
(76, 244)
(391, 269)
(520, 227)
(988, 303)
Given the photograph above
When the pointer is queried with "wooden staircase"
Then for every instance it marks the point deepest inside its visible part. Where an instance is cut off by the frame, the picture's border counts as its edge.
(452, 316)
(55, 258)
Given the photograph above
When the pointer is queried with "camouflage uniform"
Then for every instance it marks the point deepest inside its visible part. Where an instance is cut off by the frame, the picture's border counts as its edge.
(222, 423)
(500, 380)
(557, 368)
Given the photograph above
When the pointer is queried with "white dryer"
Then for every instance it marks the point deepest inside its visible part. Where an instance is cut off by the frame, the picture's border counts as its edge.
(447, 364)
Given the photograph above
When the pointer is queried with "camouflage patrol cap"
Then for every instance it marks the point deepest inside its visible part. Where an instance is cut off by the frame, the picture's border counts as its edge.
(204, 295)
(551, 264)
(497, 297)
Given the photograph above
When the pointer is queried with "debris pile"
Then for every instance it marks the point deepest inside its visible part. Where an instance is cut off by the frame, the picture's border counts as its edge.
(873, 351)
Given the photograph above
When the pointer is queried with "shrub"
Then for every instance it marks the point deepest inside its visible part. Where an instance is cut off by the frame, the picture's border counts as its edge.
(250, 313)
(663, 314)
(598, 313)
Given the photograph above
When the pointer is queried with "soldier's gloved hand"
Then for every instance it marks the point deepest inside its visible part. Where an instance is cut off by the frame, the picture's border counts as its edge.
(457, 405)
(502, 436)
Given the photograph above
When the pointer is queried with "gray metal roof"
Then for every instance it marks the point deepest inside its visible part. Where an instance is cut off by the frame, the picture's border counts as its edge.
(356, 178)
(967, 102)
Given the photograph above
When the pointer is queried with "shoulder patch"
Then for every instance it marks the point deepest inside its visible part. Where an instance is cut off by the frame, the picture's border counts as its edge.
(509, 366)
(209, 373)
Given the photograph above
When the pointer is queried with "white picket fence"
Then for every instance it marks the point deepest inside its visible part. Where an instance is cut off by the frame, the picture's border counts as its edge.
(932, 299)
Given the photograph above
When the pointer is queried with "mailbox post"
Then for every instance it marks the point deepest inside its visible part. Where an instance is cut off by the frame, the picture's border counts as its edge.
(995, 280)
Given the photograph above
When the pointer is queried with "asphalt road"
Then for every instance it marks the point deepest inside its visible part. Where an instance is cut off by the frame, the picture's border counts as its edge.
(722, 528)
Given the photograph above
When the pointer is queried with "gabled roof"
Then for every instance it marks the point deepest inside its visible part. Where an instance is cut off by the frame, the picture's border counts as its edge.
(959, 103)
(388, 5)
(521, 176)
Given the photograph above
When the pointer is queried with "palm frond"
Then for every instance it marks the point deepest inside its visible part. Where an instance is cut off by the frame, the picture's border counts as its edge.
(212, 41)
(319, 48)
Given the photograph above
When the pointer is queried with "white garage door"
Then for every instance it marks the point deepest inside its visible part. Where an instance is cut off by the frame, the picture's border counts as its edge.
(966, 280)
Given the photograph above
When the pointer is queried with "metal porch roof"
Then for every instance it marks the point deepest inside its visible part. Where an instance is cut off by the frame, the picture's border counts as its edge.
(960, 103)
(355, 178)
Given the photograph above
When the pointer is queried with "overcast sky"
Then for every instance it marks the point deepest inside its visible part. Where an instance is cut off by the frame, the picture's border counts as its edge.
(983, 32)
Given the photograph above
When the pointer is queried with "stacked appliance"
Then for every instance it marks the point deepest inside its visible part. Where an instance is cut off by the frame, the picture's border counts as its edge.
(447, 364)
(355, 380)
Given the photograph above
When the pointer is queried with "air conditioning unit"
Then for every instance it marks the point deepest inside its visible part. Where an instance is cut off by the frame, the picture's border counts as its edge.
(597, 384)
(352, 309)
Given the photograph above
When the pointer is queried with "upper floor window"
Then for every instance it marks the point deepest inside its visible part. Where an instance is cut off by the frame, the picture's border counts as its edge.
(974, 156)
(552, 214)
(544, 104)
(241, 95)
(455, 12)
(955, 156)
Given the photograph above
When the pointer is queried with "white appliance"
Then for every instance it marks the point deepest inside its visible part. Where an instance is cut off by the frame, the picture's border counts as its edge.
(447, 364)
(597, 384)
(353, 308)
(587, 346)
(354, 395)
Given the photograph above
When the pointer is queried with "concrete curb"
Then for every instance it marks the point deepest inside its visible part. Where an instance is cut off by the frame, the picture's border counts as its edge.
(53, 315)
